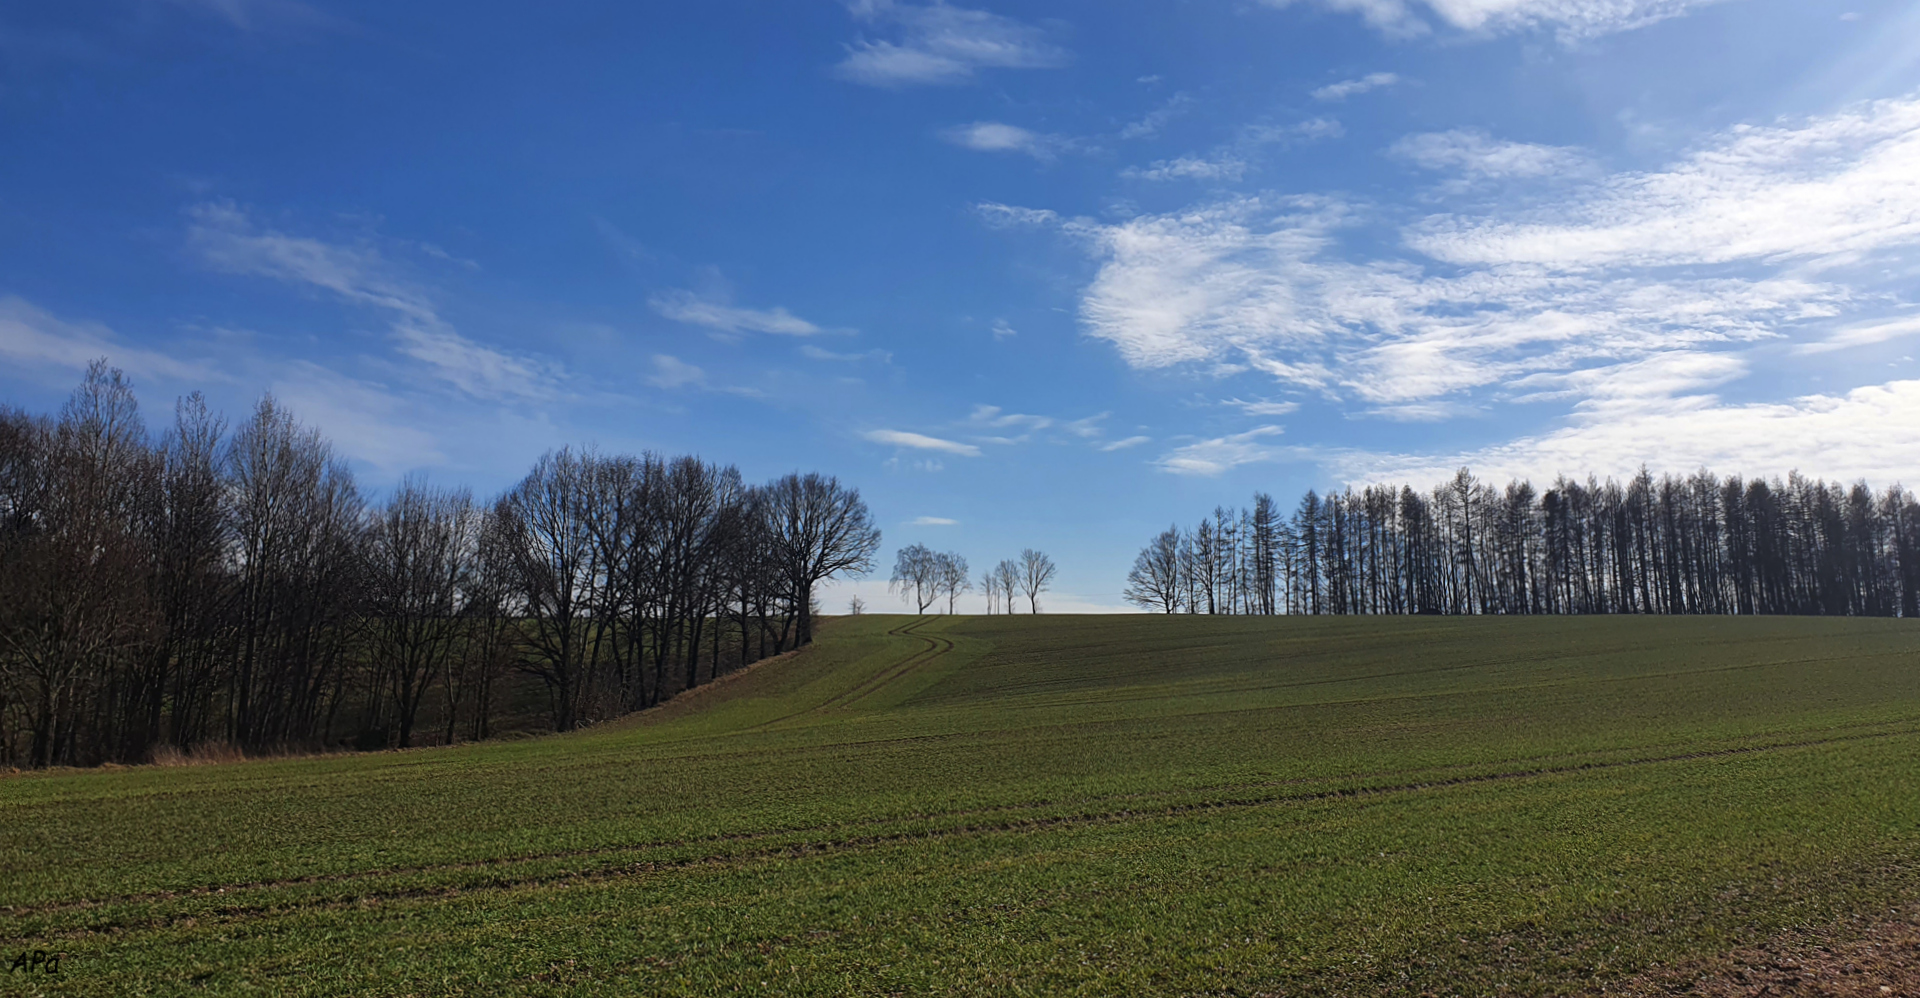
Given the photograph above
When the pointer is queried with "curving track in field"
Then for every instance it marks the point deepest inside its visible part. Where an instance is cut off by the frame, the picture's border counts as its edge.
(936, 646)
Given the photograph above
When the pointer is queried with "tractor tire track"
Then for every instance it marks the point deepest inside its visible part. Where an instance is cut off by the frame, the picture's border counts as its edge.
(838, 845)
(935, 648)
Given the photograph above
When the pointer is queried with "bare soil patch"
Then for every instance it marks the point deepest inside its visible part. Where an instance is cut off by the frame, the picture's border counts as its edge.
(1850, 960)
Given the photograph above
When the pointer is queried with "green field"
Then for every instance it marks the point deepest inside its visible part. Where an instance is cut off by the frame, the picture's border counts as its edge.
(1051, 805)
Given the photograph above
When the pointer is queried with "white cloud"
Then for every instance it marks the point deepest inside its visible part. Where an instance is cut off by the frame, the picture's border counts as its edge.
(1862, 334)
(1156, 119)
(1474, 153)
(685, 306)
(993, 416)
(940, 44)
(672, 372)
(1864, 433)
(920, 441)
(32, 336)
(1572, 20)
(1310, 130)
(1262, 407)
(1001, 330)
(1006, 216)
(1189, 168)
(1220, 454)
(812, 352)
(994, 136)
(1087, 427)
(1125, 443)
(1348, 88)
(932, 521)
(363, 419)
(1267, 283)
(1833, 189)
(225, 238)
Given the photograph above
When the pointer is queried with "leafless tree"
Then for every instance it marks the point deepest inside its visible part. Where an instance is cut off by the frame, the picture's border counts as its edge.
(556, 575)
(819, 530)
(420, 554)
(990, 587)
(1036, 576)
(298, 522)
(856, 606)
(1154, 582)
(950, 573)
(916, 576)
(1006, 576)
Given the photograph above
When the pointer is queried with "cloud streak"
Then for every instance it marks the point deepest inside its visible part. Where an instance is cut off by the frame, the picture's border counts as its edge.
(1349, 88)
(685, 306)
(1571, 20)
(939, 44)
(1208, 458)
(225, 238)
(920, 441)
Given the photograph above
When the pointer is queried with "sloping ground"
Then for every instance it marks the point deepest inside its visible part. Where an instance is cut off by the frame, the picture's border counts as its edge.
(1095, 805)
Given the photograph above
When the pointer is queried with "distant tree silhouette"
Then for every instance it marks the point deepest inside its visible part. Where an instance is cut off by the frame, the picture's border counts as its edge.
(1672, 545)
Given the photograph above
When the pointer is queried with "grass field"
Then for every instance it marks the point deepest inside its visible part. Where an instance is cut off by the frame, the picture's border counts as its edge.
(1051, 805)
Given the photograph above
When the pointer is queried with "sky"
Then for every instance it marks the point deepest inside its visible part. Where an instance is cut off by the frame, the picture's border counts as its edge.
(1049, 275)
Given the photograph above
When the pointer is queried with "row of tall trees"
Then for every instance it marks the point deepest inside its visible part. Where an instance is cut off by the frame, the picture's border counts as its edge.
(234, 586)
(1671, 545)
(923, 577)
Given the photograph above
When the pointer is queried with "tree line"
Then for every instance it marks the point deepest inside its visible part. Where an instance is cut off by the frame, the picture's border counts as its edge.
(923, 577)
(234, 586)
(1699, 544)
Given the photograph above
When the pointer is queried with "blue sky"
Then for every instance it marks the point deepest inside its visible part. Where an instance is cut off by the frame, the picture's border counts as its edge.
(1046, 274)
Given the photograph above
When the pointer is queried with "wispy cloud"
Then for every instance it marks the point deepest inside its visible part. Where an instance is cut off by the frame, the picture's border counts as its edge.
(940, 44)
(994, 136)
(1348, 88)
(1125, 443)
(672, 372)
(1002, 331)
(1150, 124)
(920, 441)
(1863, 334)
(685, 306)
(1629, 298)
(1189, 168)
(994, 417)
(1843, 436)
(1006, 216)
(1476, 154)
(932, 521)
(32, 337)
(1220, 454)
(226, 238)
(1571, 20)
(364, 420)
(1262, 407)
(812, 352)
(255, 15)
(1832, 188)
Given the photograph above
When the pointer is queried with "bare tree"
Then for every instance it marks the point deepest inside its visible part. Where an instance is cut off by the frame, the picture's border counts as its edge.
(419, 558)
(1154, 582)
(555, 572)
(990, 586)
(1036, 576)
(916, 576)
(1007, 576)
(950, 572)
(856, 606)
(820, 530)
